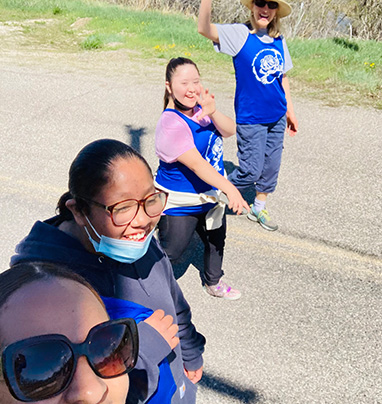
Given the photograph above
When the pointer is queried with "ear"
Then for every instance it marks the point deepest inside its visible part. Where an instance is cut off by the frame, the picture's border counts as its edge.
(77, 214)
(168, 87)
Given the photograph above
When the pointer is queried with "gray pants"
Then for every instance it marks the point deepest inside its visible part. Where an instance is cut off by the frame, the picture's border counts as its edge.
(259, 152)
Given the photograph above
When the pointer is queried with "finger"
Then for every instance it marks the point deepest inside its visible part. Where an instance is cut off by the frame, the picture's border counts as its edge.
(197, 377)
(201, 116)
(157, 315)
(190, 374)
(173, 329)
(292, 131)
(168, 321)
(174, 342)
(202, 92)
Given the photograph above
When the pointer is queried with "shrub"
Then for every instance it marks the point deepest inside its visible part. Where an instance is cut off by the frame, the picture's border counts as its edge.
(309, 19)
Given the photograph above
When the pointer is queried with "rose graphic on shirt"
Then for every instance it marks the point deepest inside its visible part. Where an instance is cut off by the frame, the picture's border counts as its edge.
(214, 151)
(268, 65)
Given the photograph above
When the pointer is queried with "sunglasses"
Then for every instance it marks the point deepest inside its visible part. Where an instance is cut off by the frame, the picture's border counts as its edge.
(272, 5)
(42, 367)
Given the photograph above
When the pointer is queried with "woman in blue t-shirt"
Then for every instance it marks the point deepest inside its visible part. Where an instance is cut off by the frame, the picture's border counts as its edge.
(188, 142)
(263, 103)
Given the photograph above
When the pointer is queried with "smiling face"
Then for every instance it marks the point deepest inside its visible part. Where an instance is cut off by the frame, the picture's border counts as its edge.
(60, 306)
(129, 178)
(184, 86)
(262, 16)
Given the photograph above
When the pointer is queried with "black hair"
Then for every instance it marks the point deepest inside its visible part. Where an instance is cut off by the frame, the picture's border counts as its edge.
(170, 70)
(24, 273)
(90, 172)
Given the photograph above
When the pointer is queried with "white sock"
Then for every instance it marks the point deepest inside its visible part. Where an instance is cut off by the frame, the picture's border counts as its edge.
(258, 206)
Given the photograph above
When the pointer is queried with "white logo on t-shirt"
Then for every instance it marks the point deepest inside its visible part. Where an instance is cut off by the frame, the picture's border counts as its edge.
(214, 151)
(268, 65)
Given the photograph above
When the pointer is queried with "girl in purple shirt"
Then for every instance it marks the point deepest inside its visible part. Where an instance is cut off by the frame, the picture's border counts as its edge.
(189, 145)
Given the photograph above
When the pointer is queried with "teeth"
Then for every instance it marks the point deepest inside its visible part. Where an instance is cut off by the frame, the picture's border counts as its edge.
(136, 236)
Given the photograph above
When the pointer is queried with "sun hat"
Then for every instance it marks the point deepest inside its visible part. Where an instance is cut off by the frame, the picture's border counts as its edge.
(283, 10)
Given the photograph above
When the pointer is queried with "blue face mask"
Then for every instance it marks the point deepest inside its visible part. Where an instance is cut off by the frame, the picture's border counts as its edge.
(125, 251)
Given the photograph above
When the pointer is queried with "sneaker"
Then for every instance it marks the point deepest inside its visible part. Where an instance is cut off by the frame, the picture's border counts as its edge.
(263, 218)
(222, 290)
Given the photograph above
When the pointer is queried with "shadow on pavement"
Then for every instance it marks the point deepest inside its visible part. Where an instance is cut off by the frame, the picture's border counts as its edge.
(192, 256)
(226, 388)
(134, 137)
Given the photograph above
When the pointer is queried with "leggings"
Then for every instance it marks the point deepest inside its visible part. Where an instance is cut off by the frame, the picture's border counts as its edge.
(175, 233)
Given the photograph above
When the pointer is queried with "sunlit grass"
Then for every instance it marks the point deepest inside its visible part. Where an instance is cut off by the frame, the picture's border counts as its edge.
(344, 69)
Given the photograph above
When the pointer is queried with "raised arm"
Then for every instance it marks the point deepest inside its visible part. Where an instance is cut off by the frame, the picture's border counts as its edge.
(205, 27)
(196, 163)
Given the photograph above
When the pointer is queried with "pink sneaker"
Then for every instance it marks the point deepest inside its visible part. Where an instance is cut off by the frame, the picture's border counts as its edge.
(222, 290)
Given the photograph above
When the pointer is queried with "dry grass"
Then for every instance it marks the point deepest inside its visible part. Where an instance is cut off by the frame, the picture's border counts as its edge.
(310, 18)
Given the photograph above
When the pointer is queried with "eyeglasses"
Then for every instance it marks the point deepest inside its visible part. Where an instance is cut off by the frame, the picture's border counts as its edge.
(42, 367)
(272, 5)
(123, 213)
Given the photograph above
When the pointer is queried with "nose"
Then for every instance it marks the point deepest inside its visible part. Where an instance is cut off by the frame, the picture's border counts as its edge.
(192, 87)
(141, 219)
(86, 387)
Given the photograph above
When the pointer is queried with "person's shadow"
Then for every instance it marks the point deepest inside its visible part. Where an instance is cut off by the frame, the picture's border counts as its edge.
(134, 136)
(227, 388)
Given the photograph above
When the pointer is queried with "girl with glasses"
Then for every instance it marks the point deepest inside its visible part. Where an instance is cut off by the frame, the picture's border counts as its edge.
(263, 104)
(104, 231)
(188, 142)
(57, 343)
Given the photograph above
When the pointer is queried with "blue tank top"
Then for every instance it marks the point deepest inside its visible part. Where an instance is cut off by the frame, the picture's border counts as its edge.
(260, 96)
(177, 177)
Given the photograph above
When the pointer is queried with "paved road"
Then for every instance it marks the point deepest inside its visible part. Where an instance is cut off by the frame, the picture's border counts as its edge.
(308, 327)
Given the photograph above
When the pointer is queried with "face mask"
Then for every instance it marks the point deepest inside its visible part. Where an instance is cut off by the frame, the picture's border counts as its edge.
(120, 250)
(181, 106)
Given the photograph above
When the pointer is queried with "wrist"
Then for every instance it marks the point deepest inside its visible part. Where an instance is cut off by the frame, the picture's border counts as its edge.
(212, 114)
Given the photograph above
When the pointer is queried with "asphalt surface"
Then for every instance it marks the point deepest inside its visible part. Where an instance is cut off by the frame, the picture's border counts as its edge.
(308, 326)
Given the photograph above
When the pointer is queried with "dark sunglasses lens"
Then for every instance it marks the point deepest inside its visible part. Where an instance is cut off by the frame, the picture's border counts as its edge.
(260, 3)
(272, 5)
(112, 351)
(42, 370)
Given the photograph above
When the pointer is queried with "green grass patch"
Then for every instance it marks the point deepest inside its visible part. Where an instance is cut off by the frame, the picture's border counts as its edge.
(346, 71)
(338, 71)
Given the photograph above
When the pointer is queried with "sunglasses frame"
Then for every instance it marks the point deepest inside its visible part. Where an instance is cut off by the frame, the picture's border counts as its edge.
(266, 3)
(77, 350)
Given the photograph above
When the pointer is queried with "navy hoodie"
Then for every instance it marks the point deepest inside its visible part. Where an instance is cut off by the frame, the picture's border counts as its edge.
(149, 282)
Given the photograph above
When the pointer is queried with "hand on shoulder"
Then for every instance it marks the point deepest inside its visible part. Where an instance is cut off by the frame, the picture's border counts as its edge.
(165, 326)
